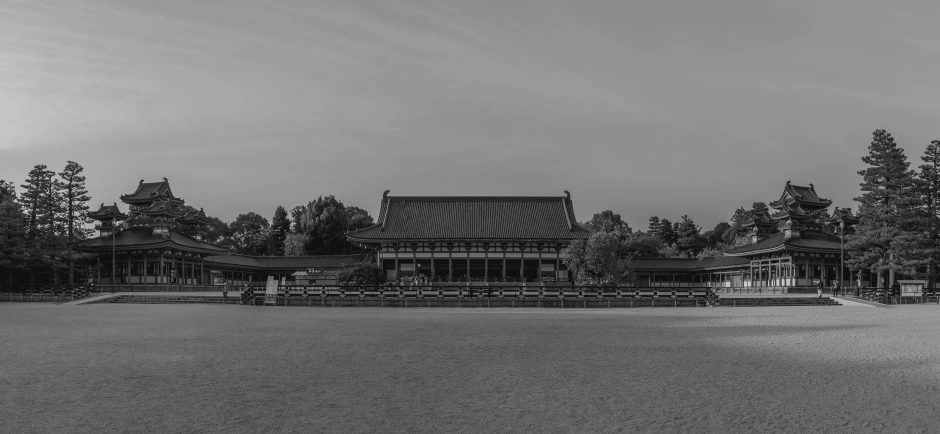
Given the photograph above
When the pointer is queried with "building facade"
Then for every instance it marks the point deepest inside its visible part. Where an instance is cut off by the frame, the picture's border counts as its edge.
(472, 238)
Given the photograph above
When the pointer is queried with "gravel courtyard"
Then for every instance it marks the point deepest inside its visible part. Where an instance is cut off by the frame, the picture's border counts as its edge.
(241, 369)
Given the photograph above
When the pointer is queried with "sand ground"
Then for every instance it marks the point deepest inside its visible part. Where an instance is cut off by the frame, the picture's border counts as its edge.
(244, 369)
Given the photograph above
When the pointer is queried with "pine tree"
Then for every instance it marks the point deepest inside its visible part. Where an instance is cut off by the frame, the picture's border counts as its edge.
(653, 228)
(280, 227)
(12, 238)
(74, 209)
(33, 197)
(667, 232)
(41, 202)
(688, 235)
(7, 190)
(886, 240)
(929, 190)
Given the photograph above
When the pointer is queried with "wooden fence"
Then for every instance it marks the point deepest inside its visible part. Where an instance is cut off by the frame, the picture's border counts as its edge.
(44, 293)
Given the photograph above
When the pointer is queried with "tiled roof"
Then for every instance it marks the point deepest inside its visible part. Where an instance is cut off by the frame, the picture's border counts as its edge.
(803, 195)
(474, 218)
(288, 262)
(160, 207)
(107, 212)
(807, 240)
(759, 219)
(844, 214)
(143, 237)
(194, 217)
(684, 264)
(147, 191)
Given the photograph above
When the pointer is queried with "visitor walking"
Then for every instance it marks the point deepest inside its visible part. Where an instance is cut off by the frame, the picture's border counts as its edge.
(836, 287)
(819, 288)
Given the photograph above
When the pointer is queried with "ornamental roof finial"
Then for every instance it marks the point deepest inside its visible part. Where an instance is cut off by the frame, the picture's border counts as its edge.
(811, 186)
(384, 195)
(165, 180)
(141, 182)
(568, 194)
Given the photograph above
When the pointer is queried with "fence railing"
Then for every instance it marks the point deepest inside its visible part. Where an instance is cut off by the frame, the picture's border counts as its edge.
(54, 293)
(502, 291)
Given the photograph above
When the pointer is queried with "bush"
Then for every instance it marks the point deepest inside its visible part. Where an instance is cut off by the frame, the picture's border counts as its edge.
(363, 273)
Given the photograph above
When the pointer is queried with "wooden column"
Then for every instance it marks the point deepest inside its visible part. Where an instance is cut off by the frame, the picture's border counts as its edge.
(504, 265)
(809, 279)
(521, 262)
(145, 267)
(486, 265)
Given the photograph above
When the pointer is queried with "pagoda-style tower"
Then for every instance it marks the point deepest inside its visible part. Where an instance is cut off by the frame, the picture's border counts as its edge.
(797, 208)
(154, 205)
(194, 224)
(844, 217)
(107, 216)
(760, 224)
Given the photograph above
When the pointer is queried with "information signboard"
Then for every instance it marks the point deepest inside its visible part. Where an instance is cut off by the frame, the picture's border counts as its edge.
(270, 292)
(912, 288)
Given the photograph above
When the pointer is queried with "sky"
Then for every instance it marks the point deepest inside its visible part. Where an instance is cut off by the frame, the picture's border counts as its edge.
(642, 107)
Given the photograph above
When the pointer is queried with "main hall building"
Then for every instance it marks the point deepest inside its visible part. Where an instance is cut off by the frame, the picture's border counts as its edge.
(473, 238)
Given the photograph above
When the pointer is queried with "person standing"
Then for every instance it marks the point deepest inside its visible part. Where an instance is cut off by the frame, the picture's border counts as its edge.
(836, 287)
(819, 288)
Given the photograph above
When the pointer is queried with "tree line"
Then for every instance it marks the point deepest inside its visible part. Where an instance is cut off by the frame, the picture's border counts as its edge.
(41, 226)
(317, 228)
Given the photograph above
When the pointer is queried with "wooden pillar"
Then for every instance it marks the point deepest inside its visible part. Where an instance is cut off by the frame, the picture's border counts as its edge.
(127, 271)
(809, 279)
(159, 273)
(432, 264)
(486, 265)
(504, 265)
(145, 267)
(521, 262)
(450, 265)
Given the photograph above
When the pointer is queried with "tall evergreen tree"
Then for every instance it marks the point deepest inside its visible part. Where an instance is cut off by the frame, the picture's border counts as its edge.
(7, 190)
(886, 239)
(34, 198)
(688, 236)
(41, 201)
(667, 232)
(653, 228)
(929, 190)
(74, 209)
(280, 227)
(13, 249)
